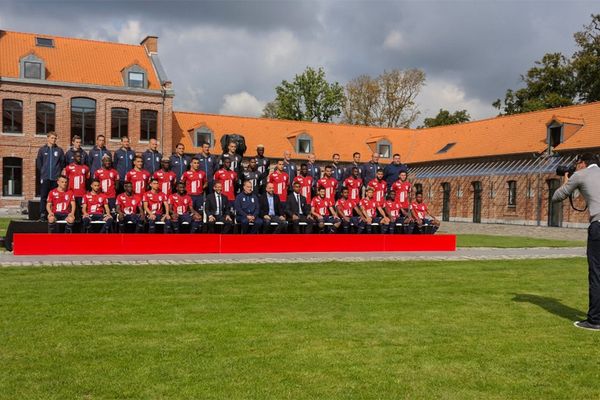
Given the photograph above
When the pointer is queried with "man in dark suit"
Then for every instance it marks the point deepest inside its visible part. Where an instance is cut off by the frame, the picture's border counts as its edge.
(298, 210)
(272, 211)
(218, 209)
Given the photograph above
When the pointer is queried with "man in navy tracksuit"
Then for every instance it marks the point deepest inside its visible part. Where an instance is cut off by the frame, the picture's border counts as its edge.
(76, 147)
(391, 172)
(49, 162)
(209, 164)
(123, 161)
(152, 157)
(96, 154)
(179, 161)
(370, 169)
(247, 209)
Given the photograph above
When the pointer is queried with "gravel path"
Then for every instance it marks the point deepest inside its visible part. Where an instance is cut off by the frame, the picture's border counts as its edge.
(514, 230)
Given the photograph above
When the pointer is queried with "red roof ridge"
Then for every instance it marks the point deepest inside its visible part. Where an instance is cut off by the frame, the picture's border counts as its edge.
(51, 36)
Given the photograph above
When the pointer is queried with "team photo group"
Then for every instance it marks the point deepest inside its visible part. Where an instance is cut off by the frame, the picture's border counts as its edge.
(102, 191)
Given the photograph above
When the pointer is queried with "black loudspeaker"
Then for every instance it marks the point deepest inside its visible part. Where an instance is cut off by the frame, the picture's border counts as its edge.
(33, 210)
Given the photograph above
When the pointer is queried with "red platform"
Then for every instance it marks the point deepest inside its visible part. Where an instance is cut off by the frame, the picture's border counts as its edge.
(64, 244)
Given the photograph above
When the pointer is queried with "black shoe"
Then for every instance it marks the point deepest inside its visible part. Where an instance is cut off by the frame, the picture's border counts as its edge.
(587, 325)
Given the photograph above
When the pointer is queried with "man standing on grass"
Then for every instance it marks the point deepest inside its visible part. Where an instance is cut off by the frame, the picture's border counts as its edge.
(49, 163)
(586, 179)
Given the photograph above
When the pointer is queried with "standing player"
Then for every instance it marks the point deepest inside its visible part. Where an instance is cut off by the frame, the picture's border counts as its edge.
(97, 153)
(346, 209)
(165, 177)
(195, 183)
(252, 175)
(109, 179)
(247, 210)
(60, 206)
(95, 208)
(370, 169)
(338, 172)
(78, 174)
(123, 161)
(391, 171)
(227, 178)
(328, 183)
(156, 208)
(403, 189)
(49, 162)
(152, 157)
(138, 176)
(322, 210)
(218, 209)
(354, 184)
(313, 170)
(76, 147)
(129, 209)
(298, 210)
(355, 164)
(422, 216)
(179, 161)
(236, 159)
(306, 183)
(182, 209)
(209, 164)
(280, 180)
(288, 167)
(263, 165)
(379, 188)
(372, 213)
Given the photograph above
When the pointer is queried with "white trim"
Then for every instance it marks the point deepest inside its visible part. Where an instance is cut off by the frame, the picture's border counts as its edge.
(13, 134)
(12, 198)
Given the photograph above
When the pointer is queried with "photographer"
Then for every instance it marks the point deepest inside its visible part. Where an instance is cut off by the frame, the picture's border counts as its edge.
(586, 179)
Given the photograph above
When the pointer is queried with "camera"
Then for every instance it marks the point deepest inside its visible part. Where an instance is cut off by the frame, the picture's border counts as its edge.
(562, 170)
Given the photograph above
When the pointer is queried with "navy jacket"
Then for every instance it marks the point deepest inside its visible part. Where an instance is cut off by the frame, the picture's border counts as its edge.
(209, 164)
(263, 165)
(123, 162)
(179, 164)
(315, 171)
(246, 204)
(151, 161)
(70, 156)
(95, 158)
(50, 162)
(369, 172)
(338, 174)
(291, 170)
(348, 170)
(391, 172)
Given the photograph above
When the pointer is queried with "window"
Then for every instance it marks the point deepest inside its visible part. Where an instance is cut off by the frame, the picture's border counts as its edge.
(44, 42)
(492, 190)
(555, 135)
(12, 176)
(83, 119)
(445, 148)
(136, 79)
(33, 70)
(203, 135)
(12, 116)
(304, 144)
(512, 193)
(148, 128)
(45, 117)
(119, 126)
(384, 148)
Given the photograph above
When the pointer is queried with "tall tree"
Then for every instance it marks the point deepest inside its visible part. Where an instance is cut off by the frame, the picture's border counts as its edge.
(309, 97)
(444, 117)
(388, 100)
(586, 61)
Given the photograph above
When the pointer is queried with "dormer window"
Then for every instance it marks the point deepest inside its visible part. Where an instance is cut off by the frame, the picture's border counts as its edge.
(135, 76)
(445, 148)
(32, 67)
(555, 135)
(44, 42)
(384, 148)
(304, 144)
(136, 79)
(203, 135)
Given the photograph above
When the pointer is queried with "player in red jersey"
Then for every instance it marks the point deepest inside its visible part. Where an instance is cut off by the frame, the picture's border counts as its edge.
(228, 179)
(156, 207)
(306, 182)
(403, 188)
(129, 209)
(346, 210)
(60, 206)
(137, 176)
(280, 180)
(78, 175)
(379, 186)
(109, 179)
(182, 209)
(95, 208)
(393, 210)
(354, 184)
(322, 210)
(372, 213)
(422, 216)
(328, 183)
(165, 177)
(195, 184)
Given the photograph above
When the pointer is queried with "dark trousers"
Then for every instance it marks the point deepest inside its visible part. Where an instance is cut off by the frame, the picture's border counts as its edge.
(310, 223)
(245, 224)
(45, 187)
(281, 226)
(227, 225)
(593, 256)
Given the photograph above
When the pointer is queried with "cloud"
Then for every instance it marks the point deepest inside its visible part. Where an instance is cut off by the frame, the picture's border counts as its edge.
(242, 103)
(395, 41)
(130, 32)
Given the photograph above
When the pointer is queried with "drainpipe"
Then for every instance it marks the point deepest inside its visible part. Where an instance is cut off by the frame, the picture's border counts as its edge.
(162, 122)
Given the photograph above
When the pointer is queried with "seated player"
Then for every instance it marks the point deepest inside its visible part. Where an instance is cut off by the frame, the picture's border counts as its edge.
(182, 209)
(393, 210)
(298, 210)
(137, 176)
(228, 179)
(95, 208)
(346, 210)
(247, 210)
(156, 208)
(354, 184)
(109, 180)
(218, 209)
(166, 178)
(372, 213)
(271, 210)
(306, 182)
(195, 184)
(78, 174)
(60, 206)
(421, 215)
(129, 209)
(323, 211)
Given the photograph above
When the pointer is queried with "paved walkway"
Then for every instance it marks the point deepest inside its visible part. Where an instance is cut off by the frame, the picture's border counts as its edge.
(514, 230)
(9, 260)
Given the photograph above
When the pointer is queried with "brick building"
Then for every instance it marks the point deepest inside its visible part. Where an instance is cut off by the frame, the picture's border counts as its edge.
(494, 170)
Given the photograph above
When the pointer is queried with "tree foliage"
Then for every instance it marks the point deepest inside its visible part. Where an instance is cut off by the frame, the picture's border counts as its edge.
(387, 100)
(586, 61)
(444, 117)
(309, 97)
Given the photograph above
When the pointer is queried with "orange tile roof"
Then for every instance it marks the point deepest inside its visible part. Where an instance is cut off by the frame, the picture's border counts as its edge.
(75, 60)
(499, 136)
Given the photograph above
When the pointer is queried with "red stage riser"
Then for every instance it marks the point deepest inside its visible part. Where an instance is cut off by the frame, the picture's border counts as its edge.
(78, 244)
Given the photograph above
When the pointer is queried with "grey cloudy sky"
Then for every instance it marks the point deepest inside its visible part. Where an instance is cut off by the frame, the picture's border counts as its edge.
(227, 56)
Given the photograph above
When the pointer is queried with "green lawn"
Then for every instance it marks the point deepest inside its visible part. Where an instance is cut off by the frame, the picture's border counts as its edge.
(465, 240)
(417, 330)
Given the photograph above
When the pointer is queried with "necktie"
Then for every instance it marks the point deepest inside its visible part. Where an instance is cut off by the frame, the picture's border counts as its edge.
(218, 204)
(299, 204)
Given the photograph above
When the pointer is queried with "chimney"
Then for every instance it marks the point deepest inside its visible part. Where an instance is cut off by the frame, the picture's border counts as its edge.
(150, 43)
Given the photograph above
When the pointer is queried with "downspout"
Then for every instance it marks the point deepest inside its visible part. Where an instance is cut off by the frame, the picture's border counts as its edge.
(162, 122)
